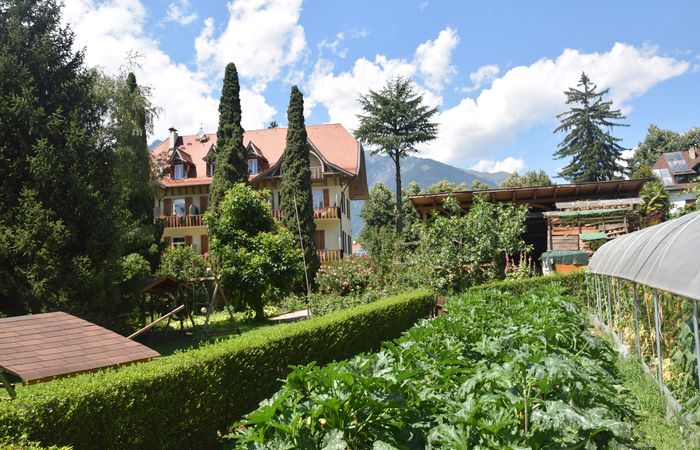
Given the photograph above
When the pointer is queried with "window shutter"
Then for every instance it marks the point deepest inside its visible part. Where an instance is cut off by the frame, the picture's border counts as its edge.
(188, 203)
(320, 238)
(326, 198)
(167, 207)
(205, 243)
(203, 204)
(168, 240)
(188, 240)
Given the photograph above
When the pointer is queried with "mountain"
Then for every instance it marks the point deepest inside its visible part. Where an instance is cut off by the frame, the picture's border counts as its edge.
(154, 144)
(424, 171)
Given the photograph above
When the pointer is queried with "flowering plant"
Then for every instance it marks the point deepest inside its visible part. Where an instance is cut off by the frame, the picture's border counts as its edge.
(349, 276)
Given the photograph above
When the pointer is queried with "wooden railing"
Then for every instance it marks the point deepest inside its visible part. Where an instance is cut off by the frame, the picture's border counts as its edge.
(183, 221)
(317, 173)
(329, 212)
(327, 256)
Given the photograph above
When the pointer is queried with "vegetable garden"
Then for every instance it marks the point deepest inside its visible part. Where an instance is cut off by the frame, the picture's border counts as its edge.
(504, 369)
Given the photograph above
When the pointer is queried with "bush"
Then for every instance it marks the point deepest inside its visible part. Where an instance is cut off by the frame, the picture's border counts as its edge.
(182, 262)
(183, 400)
(350, 275)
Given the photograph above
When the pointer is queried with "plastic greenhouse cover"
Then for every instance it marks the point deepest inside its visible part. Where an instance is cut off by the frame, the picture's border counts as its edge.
(665, 256)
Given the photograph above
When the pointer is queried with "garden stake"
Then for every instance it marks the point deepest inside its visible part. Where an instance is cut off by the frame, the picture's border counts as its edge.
(608, 283)
(658, 339)
(697, 337)
(636, 318)
(600, 302)
(619, 316)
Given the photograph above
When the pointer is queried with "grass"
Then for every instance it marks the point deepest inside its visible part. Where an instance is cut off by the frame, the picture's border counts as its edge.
(659, 430)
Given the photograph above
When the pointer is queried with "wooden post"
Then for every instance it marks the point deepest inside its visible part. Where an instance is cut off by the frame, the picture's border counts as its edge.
(152, 324)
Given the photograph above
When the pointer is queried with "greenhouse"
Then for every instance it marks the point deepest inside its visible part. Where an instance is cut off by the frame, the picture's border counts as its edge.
(645, 289)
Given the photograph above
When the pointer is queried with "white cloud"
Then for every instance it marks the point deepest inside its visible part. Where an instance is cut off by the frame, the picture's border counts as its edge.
(180, 13)
(112, 29)
(434, 59)
(261, 37)
(333, 46)
(509, 164)
(528, 95)
(482, 76)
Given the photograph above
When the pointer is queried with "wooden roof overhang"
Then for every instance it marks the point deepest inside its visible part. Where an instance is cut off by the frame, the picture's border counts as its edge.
(542, 198)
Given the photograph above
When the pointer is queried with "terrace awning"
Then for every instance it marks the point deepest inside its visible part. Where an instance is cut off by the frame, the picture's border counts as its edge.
(665, 257)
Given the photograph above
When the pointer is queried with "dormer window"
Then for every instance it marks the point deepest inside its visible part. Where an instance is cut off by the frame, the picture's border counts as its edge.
(179, 173)
(252, 166)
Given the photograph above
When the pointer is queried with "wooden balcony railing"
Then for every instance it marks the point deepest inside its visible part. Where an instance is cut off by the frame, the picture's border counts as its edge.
(317, 173)
(183, 221)
(327, 256)
(329, 212)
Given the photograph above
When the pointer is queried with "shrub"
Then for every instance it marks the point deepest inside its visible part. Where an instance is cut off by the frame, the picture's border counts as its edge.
(348, 276)
(182, 262)
(182, 400)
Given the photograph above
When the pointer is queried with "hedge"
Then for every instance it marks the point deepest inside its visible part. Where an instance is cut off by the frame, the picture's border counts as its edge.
(573, 282)
(182, 401)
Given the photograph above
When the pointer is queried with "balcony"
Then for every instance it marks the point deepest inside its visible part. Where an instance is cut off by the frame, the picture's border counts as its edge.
(317, 173)
(183, 221)
(329, 212)
(327, 256)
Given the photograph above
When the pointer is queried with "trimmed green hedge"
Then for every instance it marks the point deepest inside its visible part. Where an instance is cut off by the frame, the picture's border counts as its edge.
(183, 400)
(574, 283)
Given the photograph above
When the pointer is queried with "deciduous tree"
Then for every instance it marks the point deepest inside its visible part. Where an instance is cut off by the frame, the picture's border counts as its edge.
(529, 178)
(393, 123)
(594, 152)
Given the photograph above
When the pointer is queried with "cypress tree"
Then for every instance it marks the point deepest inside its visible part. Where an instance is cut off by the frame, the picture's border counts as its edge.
(296, 182)
(594, 152)
(230, 165)
(59, 209)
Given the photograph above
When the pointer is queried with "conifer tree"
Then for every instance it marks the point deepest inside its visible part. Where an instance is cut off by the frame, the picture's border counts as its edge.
(594, 152)
(60, 239)
(296, 182)
(230, 165)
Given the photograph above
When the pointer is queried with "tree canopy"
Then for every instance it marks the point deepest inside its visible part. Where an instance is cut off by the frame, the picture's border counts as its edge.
(528, 179)
(258, 259)
(60, 213)
(393, 123)
(230, 165)
(594, 152)
(296, 198)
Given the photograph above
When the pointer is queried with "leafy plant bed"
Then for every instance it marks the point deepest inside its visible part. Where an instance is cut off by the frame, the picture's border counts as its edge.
(502, 370)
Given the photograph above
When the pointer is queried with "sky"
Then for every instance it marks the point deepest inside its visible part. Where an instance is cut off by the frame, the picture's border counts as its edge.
(496, 70)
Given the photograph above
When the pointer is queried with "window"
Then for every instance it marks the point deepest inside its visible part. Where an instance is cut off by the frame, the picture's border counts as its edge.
(210, 169)
(179, 207)
(347, 207)
(318, 198)
(252, 166)
(320, 238)
(342, 202)
(179, 171)
(178, 241)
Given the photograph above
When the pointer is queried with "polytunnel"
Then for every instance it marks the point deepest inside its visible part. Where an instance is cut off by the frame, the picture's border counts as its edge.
(664, 258)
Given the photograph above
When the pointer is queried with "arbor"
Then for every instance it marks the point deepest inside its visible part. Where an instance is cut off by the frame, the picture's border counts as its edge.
(59, 211)
(529, 178)
(393, 123)
(230, 165)
(594, 152)
(258, 259)
(296, 198)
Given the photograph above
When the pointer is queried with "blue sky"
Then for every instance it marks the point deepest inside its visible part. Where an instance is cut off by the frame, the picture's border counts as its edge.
(496, 70)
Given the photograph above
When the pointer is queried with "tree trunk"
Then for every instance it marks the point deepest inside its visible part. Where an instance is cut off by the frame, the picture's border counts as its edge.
(399, 205)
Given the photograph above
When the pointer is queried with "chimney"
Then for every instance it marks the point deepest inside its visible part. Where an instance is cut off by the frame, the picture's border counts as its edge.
(173, 137)
(692, 152)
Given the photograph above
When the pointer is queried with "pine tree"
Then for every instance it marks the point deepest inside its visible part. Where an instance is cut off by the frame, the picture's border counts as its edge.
(594, 152)
(60, 239)
(395, 120)
(230, 165)
(296, 182)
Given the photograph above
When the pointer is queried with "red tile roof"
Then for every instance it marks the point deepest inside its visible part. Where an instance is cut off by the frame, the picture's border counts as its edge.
(335, 144)
(42, 346)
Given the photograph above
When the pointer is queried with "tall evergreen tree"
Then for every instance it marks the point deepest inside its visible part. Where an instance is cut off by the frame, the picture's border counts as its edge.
(59, 211)
(230, 165)
(296, 192)
(395, 120)
(594, 152)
